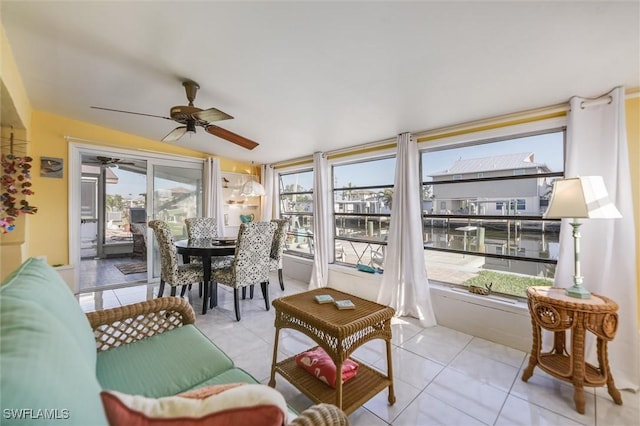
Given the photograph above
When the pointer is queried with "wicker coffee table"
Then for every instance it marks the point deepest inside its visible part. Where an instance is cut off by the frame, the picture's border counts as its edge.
(339, 333)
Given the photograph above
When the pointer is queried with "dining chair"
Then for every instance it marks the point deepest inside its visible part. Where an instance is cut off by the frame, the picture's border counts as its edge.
(277, 247)
(205, 228)
(251, 262)
(201, 227)
(171, 272)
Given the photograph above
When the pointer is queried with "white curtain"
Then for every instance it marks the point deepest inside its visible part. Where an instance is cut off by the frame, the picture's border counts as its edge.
(213, 192)
(405, 285)
(597, 145)
(270, 197)
(320, 271)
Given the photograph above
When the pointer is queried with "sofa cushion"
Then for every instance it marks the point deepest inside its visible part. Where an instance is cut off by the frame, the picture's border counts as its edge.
(45, 378)
(239, 405)
(232, 375)
(36, 281)
(162, 365)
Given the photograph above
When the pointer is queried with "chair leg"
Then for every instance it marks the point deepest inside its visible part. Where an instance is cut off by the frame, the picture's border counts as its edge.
(200, 290)
(213, 294)
(280, 278)
(265, 293)
(184, 290)
(244, 293)
(161, 289)
(173, 291)
(236, 303)
(251, 291)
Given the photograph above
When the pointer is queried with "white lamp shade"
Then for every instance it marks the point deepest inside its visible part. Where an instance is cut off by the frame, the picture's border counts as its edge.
(581, 197)
(252, 189)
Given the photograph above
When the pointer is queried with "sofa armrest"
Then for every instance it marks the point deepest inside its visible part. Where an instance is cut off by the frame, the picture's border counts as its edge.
(125, 324)
(321, 415)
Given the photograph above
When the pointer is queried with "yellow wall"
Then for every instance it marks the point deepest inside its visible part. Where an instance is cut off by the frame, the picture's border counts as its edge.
(48, 231)
(632, 107)
(13, 245)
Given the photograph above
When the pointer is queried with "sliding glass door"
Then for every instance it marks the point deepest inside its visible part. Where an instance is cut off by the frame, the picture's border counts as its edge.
(113, 195)
(176, 194)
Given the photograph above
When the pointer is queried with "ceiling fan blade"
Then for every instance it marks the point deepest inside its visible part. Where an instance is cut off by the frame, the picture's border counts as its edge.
(212, 114)
(231, 137)
(130, 112)
(175, 134)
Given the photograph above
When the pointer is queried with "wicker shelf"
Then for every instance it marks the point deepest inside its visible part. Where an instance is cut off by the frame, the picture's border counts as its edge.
(560, 366)
(355, 392)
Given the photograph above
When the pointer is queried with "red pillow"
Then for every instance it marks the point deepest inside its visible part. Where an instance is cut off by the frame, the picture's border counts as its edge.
(320, 364)
(221, 405)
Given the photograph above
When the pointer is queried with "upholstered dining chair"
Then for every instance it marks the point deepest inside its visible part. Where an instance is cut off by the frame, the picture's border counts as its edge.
(201, 227)
(277, 247)
(206, 228)
(251, 262)
(170, 271)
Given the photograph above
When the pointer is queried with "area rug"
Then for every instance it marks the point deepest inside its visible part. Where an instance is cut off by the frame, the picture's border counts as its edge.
(132, 268)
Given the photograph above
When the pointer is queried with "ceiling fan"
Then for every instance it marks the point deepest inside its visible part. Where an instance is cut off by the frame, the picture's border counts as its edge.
(108, 162)
(190, 117)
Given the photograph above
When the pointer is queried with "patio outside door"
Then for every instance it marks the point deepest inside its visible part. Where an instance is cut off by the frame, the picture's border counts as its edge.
(176, 194)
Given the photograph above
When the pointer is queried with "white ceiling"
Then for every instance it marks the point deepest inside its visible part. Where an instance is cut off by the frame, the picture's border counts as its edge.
(301, 77)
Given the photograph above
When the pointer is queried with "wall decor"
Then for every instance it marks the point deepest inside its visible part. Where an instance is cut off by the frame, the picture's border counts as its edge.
(16, 186)
(51, 167)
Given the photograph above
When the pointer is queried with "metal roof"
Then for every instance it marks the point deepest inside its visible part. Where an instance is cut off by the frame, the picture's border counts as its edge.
(498, 162)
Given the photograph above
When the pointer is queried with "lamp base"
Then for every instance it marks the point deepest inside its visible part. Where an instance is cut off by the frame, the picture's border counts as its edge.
(578, 292)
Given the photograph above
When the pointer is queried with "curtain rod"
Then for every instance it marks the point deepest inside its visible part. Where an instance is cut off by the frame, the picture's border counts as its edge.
(360, 147)
(597, 101)
(295, 160)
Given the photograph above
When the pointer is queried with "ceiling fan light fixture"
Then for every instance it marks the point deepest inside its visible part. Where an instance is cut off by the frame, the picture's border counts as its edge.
(191, 126)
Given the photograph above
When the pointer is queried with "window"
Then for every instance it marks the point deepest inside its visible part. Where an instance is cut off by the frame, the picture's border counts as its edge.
(362, 201)
(296, 205)
(488, 226)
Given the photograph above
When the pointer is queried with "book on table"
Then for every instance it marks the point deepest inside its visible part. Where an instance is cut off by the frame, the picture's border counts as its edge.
(324, 298)
(345, 304)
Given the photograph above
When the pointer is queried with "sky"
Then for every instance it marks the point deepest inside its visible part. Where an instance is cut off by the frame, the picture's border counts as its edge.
(548, 149)
(130, 185)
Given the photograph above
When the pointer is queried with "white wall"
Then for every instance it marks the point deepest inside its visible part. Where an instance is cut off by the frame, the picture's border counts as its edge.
(500, 320)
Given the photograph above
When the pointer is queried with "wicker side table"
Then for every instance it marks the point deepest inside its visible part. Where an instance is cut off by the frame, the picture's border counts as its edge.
(551, 309)
(339, 333)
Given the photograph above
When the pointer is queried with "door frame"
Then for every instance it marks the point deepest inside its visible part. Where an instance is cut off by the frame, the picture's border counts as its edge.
(79, 147)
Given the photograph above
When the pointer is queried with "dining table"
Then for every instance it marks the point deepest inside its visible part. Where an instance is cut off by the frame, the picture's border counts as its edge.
(206, 249)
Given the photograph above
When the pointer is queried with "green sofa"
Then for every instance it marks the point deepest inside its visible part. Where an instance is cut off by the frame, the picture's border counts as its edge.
(55, 360)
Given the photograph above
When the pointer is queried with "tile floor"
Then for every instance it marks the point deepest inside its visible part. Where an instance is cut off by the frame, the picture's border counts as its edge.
(442, 376)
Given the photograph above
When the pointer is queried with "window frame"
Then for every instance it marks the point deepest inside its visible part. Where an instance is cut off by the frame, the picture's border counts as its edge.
(347, 159)
(285, 215)
(553, 125)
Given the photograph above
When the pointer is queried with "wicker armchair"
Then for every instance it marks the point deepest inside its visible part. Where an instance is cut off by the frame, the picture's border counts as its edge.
(170, 271)
(251, 262)
(131, 323)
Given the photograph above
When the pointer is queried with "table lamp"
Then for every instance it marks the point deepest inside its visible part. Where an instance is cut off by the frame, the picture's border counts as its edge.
(583, 197)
